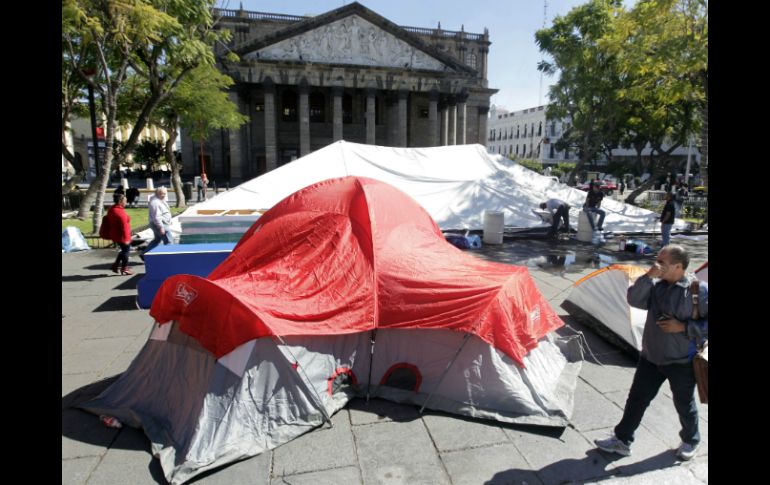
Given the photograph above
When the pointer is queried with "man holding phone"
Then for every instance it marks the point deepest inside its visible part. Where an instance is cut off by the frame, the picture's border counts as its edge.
(668, 346)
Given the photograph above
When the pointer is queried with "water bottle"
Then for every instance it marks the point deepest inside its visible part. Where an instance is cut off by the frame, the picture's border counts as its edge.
(110, 422)
(622, 244)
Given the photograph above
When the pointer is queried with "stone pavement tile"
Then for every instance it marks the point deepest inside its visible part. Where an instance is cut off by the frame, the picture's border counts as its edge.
(73, 382)
(128, 461)
(607, 377)
(77, 470)
(398, 453)
(670, 476)
(349, 475)
(491, 465)
(251, 470)
(557, 459)
(84, 435)
(380, 411)
(119, 365)
(120, 324)
(660, 418)
(699, 467)
(593, 410)
(457, 433)
(647, 453)
(107, 345)
(139, 342)
(320, 449)
(93, 355)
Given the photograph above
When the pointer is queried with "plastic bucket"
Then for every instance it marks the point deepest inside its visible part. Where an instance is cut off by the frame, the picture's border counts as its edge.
(493, 227)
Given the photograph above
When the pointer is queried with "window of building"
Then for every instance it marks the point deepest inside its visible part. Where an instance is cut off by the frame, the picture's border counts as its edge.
(540, 129)
(551, 154)
(553, 129)
(472, 60)
(517, 131)
(525, 131)
(566, 154)
(517, 150)
(317, 107)
(510, 149)
(532, 131)
(289, 105)
(347, 109)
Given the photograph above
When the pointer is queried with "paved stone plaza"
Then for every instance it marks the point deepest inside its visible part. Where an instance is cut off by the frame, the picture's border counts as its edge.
(378, 442)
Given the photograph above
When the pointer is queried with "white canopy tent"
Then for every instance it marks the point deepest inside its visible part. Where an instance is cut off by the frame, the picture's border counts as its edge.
(455, 184)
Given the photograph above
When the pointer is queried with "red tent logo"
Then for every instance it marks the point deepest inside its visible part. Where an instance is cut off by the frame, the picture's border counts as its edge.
(185, 293)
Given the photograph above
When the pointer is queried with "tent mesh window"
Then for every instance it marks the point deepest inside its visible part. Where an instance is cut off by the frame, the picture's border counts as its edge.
(402, 376)
(343, 380)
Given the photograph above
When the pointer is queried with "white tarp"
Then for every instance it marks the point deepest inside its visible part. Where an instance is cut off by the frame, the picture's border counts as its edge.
(455, 184)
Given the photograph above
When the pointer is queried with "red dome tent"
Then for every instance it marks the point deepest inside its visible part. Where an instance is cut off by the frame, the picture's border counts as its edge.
(346, 287)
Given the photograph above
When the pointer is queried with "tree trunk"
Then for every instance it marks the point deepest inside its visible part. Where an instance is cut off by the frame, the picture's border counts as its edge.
(704, 136)
(176, 179)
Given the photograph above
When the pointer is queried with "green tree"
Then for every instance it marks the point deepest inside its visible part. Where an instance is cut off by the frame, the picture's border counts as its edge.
(150, 153)
(661, 47)
(201, 105)
(585, 92)
(160, 41)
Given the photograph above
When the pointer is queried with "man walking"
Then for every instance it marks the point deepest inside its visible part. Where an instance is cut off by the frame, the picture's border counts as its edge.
(160, 221)
(667, 219)
(668, 347)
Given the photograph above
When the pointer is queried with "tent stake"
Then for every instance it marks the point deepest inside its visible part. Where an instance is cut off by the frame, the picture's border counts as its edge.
(465, 340)
(372, 339)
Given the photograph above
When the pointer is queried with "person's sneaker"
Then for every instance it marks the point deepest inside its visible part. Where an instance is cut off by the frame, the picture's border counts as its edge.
(126, 271)
(687, 451)
(613, 445)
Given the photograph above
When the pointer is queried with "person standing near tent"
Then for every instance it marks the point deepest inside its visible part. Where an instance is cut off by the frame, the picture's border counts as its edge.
(622, 186)
(668, 347)
(203, 183)
(667, 219)
(559, 211)
(119, 231)
(593, 204)
(160, 221)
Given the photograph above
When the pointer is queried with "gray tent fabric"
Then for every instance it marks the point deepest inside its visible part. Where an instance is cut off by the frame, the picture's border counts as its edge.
(201, 413)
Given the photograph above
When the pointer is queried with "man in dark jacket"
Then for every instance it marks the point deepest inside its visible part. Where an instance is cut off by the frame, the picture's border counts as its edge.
(593, 205)
(668, 346)
(667, 219)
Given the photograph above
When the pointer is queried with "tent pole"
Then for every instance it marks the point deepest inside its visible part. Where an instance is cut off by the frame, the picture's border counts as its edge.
(372, 339)
(465, 340)
(306, 382)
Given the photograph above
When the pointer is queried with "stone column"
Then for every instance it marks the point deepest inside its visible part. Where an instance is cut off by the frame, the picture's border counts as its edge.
(401, 138)
(236, 145)
(433, 136)
(461, 124)
(337, 113)
(483, 110)
(452, 140)
(370, 116)
(304, 119)
(444, 123)
(271, 141)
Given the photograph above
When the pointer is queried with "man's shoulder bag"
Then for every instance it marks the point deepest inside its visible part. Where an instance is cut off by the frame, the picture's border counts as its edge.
(700, 362)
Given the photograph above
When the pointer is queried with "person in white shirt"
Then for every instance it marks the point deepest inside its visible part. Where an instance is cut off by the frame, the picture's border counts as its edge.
(559, 211)
(160, 220)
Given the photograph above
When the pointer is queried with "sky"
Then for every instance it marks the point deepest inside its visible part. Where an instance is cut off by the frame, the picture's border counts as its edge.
(513, 55)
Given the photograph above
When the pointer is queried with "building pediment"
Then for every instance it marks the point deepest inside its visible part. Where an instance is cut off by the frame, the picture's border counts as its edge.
(352, 35)
(351, 40)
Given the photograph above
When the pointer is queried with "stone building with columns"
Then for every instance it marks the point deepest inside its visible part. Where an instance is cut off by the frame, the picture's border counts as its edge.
(346, 74)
